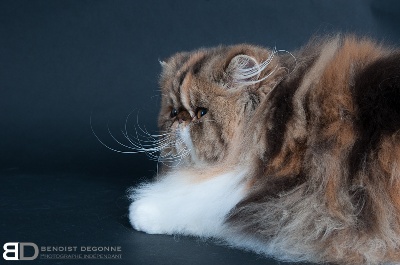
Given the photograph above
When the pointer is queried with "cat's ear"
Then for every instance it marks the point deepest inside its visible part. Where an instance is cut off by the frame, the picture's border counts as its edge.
(242, 70)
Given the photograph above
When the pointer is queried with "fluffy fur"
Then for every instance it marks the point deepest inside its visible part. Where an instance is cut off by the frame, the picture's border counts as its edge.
(294, 155)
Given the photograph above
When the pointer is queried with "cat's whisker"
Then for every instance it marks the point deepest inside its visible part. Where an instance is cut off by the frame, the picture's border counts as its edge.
(149, 146)
(186, 154)
(110, 148)
(243, 74)
(125, 133)
(176, 161)
(246, 73)
(145, 132)
(153, 147)
(139, 137)
(139, 144)
(155, 144)
(169, 161)
(116, 140)
(268, 75)
(295, 60)
(181, 152)
(167, 154)
(146, 143)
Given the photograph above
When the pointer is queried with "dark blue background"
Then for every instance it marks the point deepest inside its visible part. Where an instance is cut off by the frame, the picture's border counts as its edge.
(64, 61)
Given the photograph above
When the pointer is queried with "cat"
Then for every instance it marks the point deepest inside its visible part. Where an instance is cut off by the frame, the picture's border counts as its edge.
(294, 155)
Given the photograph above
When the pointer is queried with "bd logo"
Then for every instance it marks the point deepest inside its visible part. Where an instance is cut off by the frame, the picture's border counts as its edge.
(12, 249)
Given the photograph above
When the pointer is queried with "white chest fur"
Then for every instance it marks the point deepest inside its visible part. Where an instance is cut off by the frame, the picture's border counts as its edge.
(180, 203)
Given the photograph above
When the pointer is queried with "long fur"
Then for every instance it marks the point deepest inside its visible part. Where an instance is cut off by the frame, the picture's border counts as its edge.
(292, 155)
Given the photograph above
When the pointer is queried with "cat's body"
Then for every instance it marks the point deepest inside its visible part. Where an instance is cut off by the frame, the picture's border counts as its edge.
(291, 155)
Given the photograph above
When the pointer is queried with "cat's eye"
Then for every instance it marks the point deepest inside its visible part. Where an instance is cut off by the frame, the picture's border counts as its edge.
(201, 112)
(174, 112)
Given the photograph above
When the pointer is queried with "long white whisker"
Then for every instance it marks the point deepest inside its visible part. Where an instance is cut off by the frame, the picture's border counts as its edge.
(294, 57)
(165, 147)
(116, 140)
(243, 74)
(112, 149)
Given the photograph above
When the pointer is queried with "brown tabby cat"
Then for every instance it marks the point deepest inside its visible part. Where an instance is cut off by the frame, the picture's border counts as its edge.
(294, 155)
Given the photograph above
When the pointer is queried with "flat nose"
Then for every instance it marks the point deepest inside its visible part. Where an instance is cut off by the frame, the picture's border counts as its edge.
(183, 116)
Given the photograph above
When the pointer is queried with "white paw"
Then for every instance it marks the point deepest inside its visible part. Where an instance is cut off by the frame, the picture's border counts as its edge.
(145, 217)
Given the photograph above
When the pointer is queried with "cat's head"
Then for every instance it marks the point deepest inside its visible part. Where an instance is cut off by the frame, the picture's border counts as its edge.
(208, 96)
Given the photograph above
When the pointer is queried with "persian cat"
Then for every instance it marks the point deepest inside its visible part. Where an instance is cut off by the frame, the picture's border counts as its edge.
(294, 155)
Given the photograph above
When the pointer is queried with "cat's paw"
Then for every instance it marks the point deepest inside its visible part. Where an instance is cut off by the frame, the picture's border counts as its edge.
(145, 217)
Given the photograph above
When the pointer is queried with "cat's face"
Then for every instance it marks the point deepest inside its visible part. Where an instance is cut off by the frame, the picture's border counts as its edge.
(208, 96)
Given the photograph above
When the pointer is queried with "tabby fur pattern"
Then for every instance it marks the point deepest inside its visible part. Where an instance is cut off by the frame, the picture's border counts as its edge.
(291, 155)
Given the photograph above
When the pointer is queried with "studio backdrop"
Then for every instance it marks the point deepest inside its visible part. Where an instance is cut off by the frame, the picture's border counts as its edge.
(76, 77)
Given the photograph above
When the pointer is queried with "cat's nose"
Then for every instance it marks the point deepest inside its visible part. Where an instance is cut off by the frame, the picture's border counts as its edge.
(183, 116)
(181, 120)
